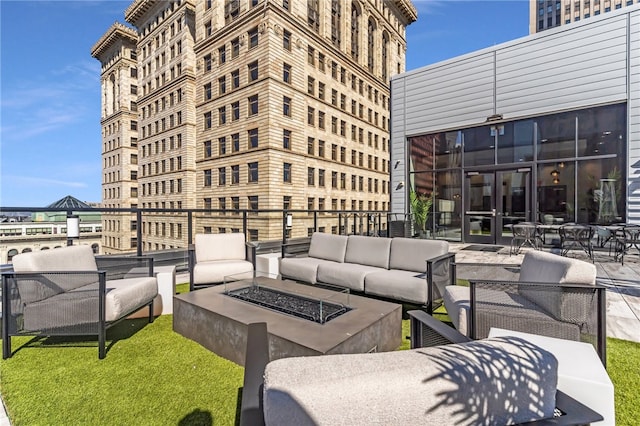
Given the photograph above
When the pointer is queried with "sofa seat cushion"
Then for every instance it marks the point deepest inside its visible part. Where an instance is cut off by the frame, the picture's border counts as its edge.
(406, 286)
(368, 251)
(506, 310)
(410, 254)
(214, 271)
(78, 308)
(348, 275)
(303, 269)
(495, 381)
(328, 246)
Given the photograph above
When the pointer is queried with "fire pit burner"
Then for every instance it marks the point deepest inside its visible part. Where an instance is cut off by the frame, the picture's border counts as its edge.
(315, 310)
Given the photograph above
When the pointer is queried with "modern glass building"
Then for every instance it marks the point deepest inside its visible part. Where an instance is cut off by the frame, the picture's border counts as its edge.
(545, 128)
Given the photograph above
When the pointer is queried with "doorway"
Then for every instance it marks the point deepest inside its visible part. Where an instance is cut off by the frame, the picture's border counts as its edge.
(494, 202)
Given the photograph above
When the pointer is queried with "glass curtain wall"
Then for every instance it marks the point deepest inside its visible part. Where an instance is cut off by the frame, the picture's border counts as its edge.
(578, 159)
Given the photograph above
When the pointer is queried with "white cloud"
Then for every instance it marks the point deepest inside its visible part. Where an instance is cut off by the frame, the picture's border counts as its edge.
(32, 181)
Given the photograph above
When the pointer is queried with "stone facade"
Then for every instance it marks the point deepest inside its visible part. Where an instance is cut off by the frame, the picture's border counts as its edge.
(545, 14)
(277, 104)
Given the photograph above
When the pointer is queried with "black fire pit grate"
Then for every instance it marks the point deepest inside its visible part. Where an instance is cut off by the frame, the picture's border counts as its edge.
(299, 306)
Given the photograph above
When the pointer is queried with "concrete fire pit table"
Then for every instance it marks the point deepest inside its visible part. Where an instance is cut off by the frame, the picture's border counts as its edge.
(219, 322)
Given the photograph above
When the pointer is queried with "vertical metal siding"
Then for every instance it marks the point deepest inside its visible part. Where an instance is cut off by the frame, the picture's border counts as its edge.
(633, 195)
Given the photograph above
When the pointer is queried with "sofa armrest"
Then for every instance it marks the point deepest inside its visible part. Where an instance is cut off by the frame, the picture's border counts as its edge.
(427, 331)
(440, 272)
(487, 271)
(569, 412)
(296, 248)
(251, 251)
(118, 267)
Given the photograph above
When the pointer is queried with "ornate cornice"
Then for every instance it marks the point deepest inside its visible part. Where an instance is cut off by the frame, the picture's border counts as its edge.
(116, 32)
(137, 9)
(408, 10)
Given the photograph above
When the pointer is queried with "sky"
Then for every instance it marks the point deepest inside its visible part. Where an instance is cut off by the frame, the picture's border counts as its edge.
(50, 136)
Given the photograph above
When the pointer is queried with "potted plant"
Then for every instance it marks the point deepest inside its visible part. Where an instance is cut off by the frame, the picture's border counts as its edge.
(420, 207)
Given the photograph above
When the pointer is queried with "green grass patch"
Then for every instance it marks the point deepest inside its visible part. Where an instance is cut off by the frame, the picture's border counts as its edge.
(153, 376)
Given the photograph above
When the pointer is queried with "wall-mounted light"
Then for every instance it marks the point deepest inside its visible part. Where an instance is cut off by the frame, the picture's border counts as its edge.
(400, 185)
(395, 166)
(289, 221)
(556, 181)
(555, 173)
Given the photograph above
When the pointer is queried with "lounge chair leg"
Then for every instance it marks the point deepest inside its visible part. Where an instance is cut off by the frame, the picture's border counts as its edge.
(6, 347)
(101, 342)
(151, 317)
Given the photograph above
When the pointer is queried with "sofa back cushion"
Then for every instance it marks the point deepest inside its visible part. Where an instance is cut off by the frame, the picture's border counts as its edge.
(211, 247)
(328, 246)
(568, 305)
(70, 258)
(410, 254)
(369, 251)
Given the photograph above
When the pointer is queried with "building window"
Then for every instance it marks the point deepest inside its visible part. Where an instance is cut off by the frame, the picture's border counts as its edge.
(286, 202)
(207, 149)
(207, 63)
(286, 73)
(253, 37)
(336, 22)
(207, 120)
(222, 115)
(222, 176)
(252, 74)
(286, 139)
(235, 142)
(311, 86)
(207, 177)
(311, 59)
(235, 174)
(311, 173)
(286, 176)
(222, 145)
(286, 40)
(355, 32)
(235, 47)
(313, 15)
(235, 203)
(235, 79)
(310, 146)
(286, 106)
(253, 105)
(371, 44)
(253, 172)
(235, 111)
(385, 56)
(231, 10)
(222, 55)
(320, 177)
(253, 205)
(222, 85)
(253, 138)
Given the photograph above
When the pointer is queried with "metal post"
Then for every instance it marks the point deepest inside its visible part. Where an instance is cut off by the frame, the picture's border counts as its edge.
(139, 232)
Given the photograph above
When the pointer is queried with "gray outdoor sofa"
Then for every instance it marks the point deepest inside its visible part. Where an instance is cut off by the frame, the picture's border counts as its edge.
(403, 269)
(67, 291)
(503, 380)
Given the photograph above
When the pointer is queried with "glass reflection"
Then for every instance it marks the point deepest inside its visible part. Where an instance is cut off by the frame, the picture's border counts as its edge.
(556, 137)
(515, 142)
(556, 192)
(447, 207)
(601, 197)
(601, 131)
(479, 146)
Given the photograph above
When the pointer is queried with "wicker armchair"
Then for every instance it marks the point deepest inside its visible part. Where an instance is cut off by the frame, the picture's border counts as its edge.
(67, 291)
(548, 295)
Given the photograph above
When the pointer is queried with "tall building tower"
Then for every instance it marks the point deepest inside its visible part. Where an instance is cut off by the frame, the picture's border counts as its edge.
(544, 14)
(166, 108)
(116, 51)
(263, 104)
(292, 106)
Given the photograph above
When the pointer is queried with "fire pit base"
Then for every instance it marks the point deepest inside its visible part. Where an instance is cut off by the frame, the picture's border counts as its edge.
(219, 323)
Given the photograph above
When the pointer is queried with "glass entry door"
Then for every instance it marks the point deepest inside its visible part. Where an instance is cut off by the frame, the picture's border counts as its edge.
(480, 207)
(494, 202)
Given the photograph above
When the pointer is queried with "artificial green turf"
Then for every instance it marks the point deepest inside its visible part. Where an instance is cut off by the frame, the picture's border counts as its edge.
(153, 376)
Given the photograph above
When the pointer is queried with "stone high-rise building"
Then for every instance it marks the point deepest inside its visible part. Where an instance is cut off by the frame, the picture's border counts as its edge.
(116, 50)
(264, 104)
(545, 14)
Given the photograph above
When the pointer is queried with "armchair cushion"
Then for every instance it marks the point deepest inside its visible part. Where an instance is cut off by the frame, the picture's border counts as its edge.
(214, 271)
(399, 285)
(328, 246)
(212, 247)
